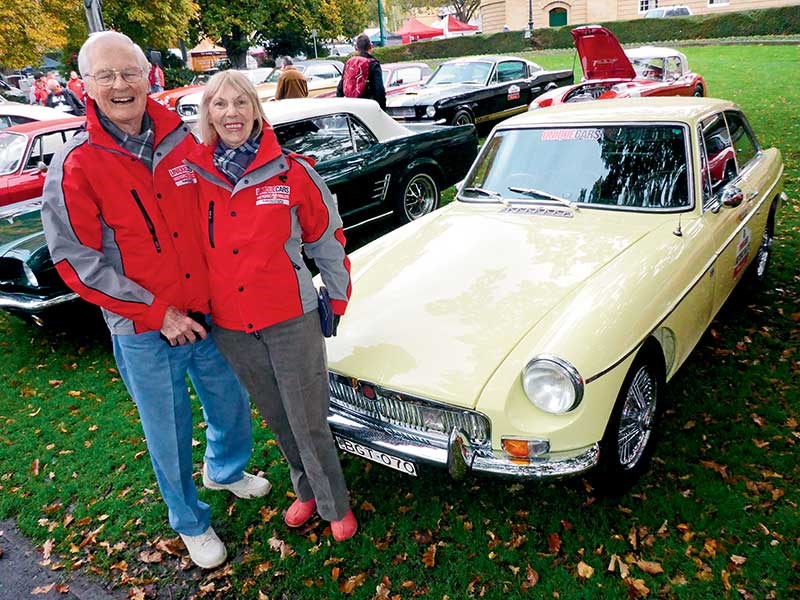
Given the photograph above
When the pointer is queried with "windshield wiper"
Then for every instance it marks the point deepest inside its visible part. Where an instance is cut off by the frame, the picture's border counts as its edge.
(490, 193)
(543, 196)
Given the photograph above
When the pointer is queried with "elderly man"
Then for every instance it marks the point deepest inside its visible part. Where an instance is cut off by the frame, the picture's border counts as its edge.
(62, 99)
(117, 200)
(291, 82)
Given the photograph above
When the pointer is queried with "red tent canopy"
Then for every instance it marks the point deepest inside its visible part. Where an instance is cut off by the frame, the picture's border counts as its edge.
(454, 24)
(415, 30)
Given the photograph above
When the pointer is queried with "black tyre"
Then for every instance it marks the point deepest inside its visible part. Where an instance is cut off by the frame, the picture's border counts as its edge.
(698, 91)
(462, 117)
(416, 196)
(757, 271)
(630, 436)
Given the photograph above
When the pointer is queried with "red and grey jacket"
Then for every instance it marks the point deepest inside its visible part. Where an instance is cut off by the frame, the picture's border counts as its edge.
(121, 235)
(253, 232)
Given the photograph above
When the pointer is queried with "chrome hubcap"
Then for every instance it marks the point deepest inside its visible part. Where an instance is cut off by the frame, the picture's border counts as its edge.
(636, 420)
(763, 253)
(463, 120)
(420, 196)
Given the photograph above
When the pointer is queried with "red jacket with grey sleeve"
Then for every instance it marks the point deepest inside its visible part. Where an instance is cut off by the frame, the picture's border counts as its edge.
(253, 233)
(121, 235)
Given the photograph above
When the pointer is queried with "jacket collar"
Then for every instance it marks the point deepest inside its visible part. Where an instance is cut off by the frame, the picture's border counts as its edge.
(164, 122)
(268, 150)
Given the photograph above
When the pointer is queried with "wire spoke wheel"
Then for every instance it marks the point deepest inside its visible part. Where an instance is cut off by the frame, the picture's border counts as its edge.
(637, 418)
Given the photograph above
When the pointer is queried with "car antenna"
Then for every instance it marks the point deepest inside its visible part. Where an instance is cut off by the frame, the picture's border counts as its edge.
(678, 231)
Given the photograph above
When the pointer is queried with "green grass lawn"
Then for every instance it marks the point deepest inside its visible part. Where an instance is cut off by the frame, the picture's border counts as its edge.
(716, 516)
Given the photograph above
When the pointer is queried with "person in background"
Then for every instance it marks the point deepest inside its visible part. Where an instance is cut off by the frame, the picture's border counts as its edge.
(156, 78)
(116, 216)
(38, 92)
(76, 86)
(362, 75)
(258, 207)
(63, 99)
(291, 82)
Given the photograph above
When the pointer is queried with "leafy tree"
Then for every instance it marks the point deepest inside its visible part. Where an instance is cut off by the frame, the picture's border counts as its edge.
(151, 23)
(28, 30)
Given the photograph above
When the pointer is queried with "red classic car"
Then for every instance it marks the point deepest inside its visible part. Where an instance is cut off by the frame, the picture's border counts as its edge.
(25, 153)
(611, 72)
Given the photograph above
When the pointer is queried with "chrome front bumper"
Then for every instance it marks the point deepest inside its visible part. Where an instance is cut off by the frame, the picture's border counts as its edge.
(33, 304)
(459, 456)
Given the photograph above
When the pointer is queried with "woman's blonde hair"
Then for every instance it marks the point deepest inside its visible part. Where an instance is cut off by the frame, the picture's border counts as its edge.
(241, 84)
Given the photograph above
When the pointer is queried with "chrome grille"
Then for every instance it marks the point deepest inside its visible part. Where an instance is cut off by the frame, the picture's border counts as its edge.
(411, 415)
(380, 187)
(403, 111)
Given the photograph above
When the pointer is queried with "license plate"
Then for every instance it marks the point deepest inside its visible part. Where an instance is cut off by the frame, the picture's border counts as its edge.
(387, 460)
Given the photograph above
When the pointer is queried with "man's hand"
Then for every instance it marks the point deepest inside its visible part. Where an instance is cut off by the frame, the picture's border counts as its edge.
(179, 329)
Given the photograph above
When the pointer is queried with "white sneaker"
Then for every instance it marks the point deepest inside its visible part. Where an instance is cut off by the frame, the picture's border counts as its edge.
(249, 486)
(206, 550)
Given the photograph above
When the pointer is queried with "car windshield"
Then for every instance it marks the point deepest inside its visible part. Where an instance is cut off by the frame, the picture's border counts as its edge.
(12, 151)
(461, 72)
(620, 166)
(649, 68)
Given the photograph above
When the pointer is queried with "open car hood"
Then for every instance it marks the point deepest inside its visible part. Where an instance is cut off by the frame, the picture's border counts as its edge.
(601, 55)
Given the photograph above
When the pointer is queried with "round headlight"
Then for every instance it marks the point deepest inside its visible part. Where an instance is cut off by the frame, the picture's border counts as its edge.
(430, 111)
(552, 384)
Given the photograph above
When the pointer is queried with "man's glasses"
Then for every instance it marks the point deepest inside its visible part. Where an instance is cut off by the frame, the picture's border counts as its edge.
(106, 77)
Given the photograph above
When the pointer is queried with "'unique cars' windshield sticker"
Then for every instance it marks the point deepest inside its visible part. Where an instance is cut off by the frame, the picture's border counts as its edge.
(742, 251)
(561, 135)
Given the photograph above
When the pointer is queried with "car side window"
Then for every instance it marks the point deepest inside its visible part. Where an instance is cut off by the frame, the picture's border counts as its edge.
(405, 75)
(673, 66)
(34, 154)
(4, 122)
(322, 72)
(745, 146)
(511, 70)
(720, 165)
(321, 138)
(362, 137)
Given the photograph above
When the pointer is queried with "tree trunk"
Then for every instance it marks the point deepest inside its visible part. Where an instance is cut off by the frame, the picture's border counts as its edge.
(236, 45)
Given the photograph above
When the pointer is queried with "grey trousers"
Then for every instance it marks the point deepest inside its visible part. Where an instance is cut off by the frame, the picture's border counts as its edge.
(284, 369)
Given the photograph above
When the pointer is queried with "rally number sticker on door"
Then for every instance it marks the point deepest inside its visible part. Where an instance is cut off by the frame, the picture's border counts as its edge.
(513, 92)
(742, 251)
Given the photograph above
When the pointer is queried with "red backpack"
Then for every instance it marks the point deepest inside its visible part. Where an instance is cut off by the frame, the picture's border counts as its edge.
(356, 76)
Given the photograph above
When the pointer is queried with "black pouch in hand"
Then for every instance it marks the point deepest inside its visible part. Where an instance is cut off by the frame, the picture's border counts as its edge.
(325, 312)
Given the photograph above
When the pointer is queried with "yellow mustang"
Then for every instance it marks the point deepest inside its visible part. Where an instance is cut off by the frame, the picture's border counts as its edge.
(529, 328)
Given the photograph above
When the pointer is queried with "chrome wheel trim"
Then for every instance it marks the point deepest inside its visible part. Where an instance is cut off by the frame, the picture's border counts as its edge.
(762, 258)
(636, 419)
(420, 196)
(463, 119)
(698, 92)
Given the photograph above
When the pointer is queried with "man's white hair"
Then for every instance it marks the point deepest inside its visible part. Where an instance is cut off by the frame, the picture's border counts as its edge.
(106, 37)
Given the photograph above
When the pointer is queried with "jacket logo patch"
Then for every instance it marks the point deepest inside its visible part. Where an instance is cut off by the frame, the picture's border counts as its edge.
(273, 194)
(182, 175)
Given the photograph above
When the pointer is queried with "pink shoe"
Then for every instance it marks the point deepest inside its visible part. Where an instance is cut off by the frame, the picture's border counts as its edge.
(300, 512)
(344, 529)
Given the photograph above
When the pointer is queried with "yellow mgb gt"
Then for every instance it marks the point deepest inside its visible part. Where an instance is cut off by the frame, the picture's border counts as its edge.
(529, 328)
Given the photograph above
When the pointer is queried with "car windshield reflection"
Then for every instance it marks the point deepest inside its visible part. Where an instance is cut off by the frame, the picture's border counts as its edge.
(12, 150)
(461, 72)
(641, 167)
(649, 68)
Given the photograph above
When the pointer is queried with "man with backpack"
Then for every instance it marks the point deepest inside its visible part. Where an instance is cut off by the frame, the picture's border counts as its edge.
(362, 75)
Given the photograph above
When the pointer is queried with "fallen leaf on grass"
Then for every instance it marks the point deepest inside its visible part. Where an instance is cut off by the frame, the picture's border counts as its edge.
(280, 546)
(584, 570)
(637, 588)
(554, 543)
(367, 506)
(348, 586)
(738, 560)
(35, 467)
(384, 589)
(429, 556)
(267, 513)
(647, 566)
(726, 580)
(531, 578)
(262, 567)
(173, 546)
(150, 556)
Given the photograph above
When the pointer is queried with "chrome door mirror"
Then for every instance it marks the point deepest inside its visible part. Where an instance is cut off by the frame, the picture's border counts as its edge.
(41, 166)
(731, 197)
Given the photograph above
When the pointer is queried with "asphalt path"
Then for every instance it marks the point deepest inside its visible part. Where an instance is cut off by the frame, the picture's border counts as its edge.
(23, 577)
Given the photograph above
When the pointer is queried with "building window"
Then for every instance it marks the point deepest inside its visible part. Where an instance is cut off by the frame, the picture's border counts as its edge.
(718, 2)
(645, 5)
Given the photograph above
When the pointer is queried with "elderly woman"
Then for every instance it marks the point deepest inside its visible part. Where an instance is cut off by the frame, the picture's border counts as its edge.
(258, 205)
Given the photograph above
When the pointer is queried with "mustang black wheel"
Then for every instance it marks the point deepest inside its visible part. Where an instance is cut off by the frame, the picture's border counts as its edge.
(628, 442)
(757, 272)
(462, 117)
(417, 196)
(698, 91)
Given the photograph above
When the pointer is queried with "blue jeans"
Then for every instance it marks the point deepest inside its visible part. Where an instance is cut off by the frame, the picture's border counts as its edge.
(155, 374)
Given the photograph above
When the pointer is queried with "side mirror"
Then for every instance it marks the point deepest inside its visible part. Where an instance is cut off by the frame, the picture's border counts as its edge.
(41, 166)
(731, 197)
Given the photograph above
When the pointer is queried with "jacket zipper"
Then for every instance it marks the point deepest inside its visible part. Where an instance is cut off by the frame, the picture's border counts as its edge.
(148, 221)
(211, 223)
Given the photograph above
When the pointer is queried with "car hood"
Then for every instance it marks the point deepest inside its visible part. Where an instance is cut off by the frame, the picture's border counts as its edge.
(601, 55)
(438, 304)
(21, 235)
(428, 95)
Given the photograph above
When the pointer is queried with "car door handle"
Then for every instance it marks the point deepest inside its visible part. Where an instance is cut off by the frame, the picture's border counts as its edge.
(751, 194)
